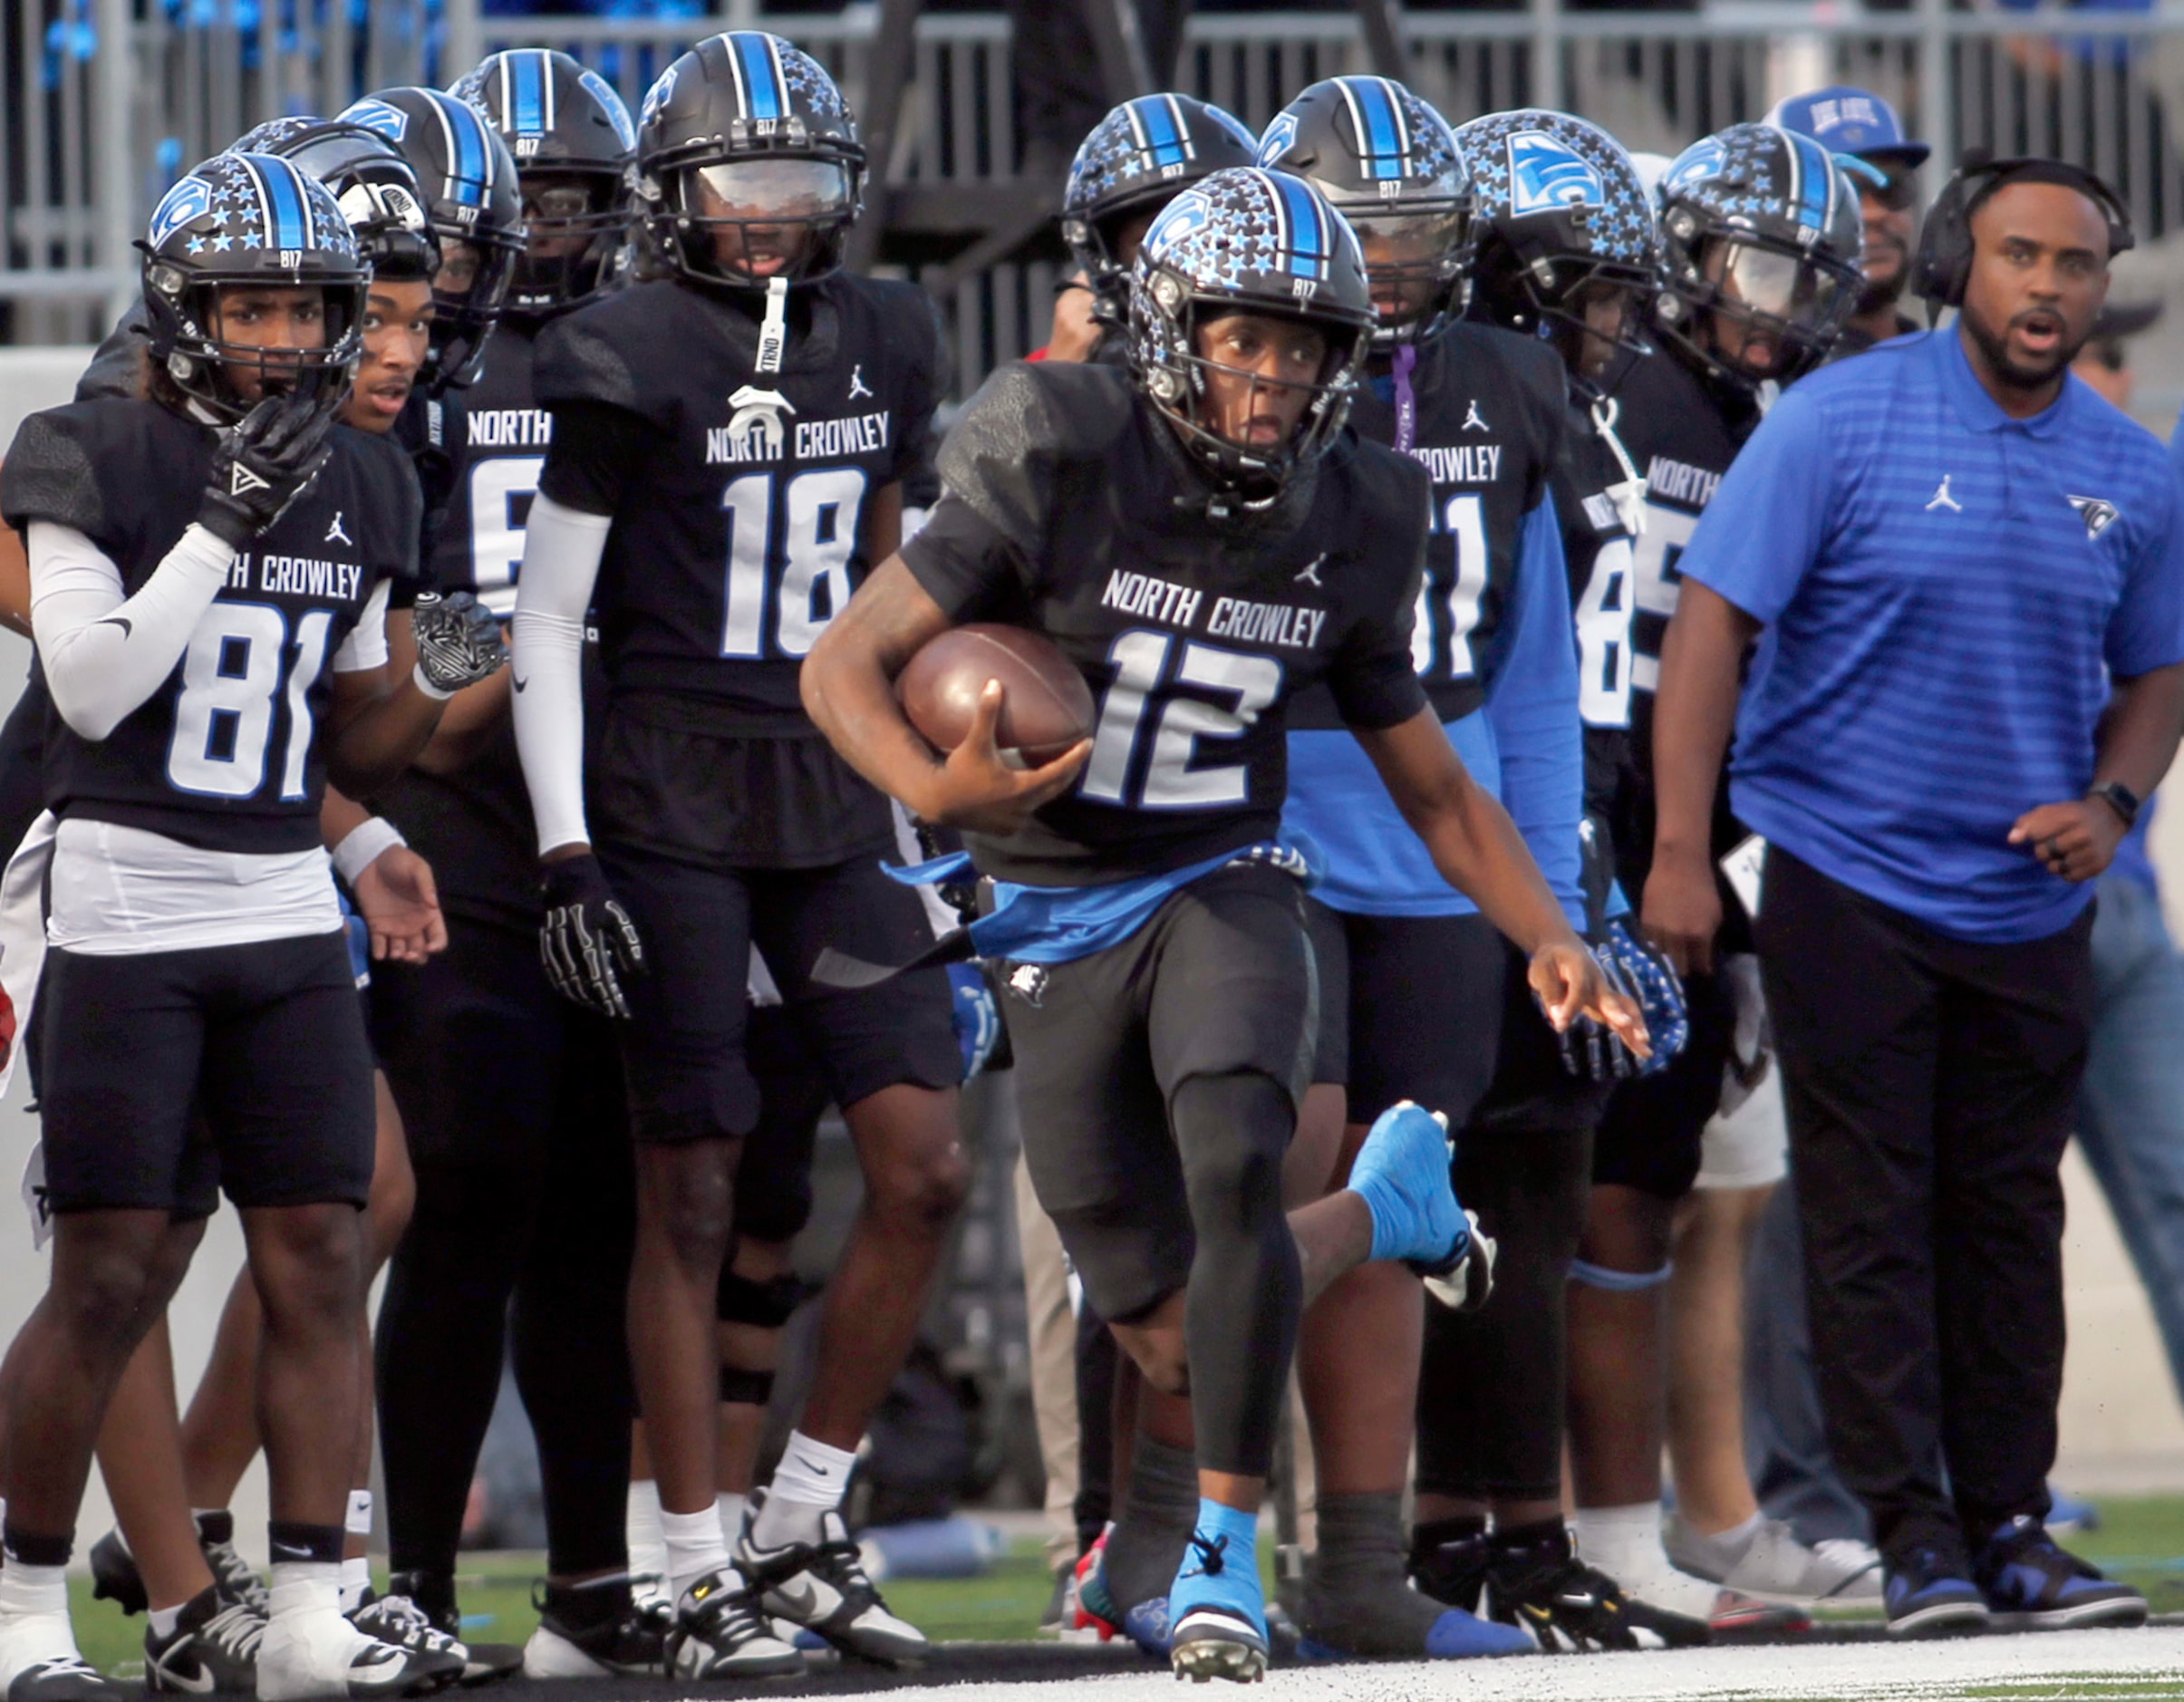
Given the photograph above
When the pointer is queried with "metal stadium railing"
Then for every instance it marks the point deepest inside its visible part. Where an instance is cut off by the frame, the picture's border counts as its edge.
(89, 132)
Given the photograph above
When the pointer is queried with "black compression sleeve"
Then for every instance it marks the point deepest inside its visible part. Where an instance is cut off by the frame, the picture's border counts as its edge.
(597, 448)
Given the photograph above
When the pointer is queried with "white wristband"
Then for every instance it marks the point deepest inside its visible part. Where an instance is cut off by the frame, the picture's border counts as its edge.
(427, 687)
(361, 844)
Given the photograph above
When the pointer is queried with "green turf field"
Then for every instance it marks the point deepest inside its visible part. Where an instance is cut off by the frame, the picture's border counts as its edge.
(2140, 1539)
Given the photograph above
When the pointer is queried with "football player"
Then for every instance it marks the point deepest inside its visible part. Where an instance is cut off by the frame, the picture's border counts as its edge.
(1564, 255)
(523, 1182)
(1761, 235)
(1481, 411)
(204, 691)
(1203, 540)
(1130, 165)
(729, 449)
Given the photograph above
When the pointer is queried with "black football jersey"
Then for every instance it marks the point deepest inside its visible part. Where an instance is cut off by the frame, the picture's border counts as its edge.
(478, 546)
(1069, 508)
(429, 430)
(1488, 431)
(738, 533)
(1681, 432)
(226, 755)
(1596, 549)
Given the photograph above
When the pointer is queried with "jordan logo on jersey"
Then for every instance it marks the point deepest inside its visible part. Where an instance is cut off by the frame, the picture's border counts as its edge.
(1473, 420)
(334, 535)
(857, 387)
(756, 431)
(1942, 499)
(1309, 574)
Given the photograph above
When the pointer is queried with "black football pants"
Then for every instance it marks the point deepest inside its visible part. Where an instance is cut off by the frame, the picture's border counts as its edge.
(1930, 1085)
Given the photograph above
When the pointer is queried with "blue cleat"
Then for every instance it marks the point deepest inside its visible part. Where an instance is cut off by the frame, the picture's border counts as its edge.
(2031, 1584)
(1217, 1605)
(1147, 1626)
(1928, 1594)
(1402, 1175)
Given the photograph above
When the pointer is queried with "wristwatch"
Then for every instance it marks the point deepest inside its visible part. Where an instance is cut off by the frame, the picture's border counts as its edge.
(2119, 798)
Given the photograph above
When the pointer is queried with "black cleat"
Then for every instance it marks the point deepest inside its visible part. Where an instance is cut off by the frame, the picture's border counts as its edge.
(214, 1648)
(437, 1660)
(433, 1596)
(823, 1587)
(114, 1576)
(721, 1632)
(595, 1631)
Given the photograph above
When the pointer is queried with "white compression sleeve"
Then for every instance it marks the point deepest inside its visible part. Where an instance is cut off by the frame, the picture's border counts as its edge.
(561, 552)
(104, 654)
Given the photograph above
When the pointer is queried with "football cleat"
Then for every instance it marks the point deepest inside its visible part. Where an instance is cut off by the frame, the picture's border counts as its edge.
(720, 1633)
(230, 1571)
(432, 1594)
(1089, 1613)
(214, 1647)
(632, 1641)
(39, 1662)
(1401, 1174)
(1774, 1565)
(322, 1654)
(114, 1576)
(1218, 1609)
(1545, 1590)
(823, 1587)
(442, 1659)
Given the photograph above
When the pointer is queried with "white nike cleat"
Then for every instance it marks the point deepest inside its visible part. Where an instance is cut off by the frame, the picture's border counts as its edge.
(321, 1654)
(823, 1587)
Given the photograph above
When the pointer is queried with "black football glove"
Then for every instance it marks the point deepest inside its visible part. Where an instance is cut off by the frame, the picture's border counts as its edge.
(588, 941)
(265, 461)
(459, 642)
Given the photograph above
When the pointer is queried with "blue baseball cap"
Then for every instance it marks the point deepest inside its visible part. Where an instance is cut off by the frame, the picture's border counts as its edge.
(1848, 120)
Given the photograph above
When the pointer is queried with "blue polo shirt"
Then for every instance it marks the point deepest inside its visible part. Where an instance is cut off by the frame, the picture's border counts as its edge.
(1946, 591)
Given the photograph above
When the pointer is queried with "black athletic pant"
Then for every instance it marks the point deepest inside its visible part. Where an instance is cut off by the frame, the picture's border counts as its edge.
(512, 1097)
(1930, 1085)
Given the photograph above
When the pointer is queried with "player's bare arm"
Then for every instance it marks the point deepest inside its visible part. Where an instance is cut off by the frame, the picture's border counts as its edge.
(2078, 838)
(1694, 709)
(1478, 849)
(849, 689)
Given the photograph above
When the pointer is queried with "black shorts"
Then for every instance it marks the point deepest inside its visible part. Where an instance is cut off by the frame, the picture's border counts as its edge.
(1651, 1136)
(773, 1177)
(1534, 1090)
(489, 1066)
(1221, 982)
(267, 1038)
(685, 1054)
(1410, 1008)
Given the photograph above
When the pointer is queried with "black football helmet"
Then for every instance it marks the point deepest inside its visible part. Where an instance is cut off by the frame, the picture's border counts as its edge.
(562, 122)
(1133, 161)
(242, 219)
(1759, 226)
(375, 187)
(471, 196)
(1559, 212)
(745, 144)
(1251, 241)
(1389, 161)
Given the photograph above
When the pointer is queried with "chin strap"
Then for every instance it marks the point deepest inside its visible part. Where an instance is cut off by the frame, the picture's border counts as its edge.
(773, 331)
(1629, 497)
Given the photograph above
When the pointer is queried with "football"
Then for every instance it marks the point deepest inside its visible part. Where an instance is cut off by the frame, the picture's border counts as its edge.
(1046, 705)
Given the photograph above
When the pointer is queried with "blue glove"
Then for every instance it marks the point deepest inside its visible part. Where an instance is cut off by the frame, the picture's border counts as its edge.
(977, 1018)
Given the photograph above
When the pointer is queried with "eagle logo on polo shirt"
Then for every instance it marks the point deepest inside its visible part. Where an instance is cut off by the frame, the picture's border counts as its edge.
(2098, 513)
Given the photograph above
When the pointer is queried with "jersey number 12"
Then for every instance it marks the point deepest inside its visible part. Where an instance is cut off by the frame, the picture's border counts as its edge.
(1170, 782)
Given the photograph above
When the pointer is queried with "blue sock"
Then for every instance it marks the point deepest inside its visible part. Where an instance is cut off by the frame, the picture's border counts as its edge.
(1234, 1536)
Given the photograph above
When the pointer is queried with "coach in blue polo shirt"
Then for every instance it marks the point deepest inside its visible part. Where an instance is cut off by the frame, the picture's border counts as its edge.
(1966, 575)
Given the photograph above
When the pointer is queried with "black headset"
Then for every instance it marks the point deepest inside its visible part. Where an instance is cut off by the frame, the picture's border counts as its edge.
(1943, 265)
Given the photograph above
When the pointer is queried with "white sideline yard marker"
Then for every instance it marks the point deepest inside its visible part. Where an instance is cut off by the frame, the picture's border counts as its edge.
(2037, 1667)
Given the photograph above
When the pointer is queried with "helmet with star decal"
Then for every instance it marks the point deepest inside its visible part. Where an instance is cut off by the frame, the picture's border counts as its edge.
(375, 187)
(1131, 164)
(247, 222)
(1257, 242)
(1765, 244)
(1562, 225)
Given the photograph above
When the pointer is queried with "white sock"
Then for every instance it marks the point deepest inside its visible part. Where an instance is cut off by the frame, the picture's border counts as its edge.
(33, 1619)
(729, 1505)
(641, 1527)
(163, 1621)
(809, 1482)
(356, 1582)
(1737, 1538)
(694, 1546)
(358, 1522)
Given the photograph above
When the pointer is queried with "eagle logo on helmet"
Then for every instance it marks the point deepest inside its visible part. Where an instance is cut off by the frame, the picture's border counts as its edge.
(1703, 158)
(191, 198)
(1547, 174)
(390, 121)
(1280, 137)
(662, 91)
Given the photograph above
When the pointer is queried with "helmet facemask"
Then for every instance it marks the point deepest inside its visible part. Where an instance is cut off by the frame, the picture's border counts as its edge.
(1417, 258)
(1742, 296)
(577, 225)
(226, 378)
(743, 221)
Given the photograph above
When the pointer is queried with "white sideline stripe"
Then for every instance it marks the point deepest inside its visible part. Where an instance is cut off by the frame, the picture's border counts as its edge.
(1820, 1672)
